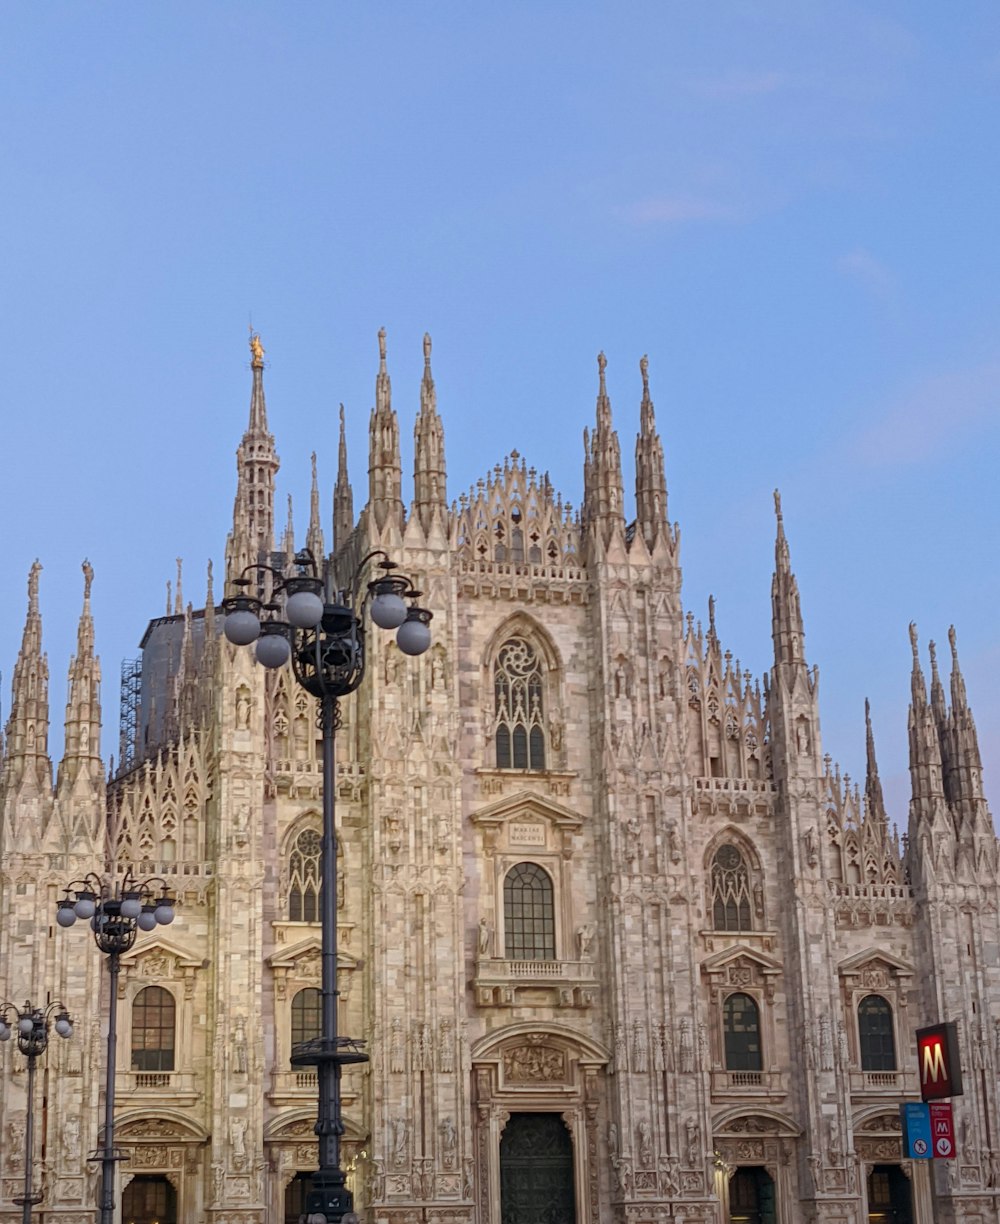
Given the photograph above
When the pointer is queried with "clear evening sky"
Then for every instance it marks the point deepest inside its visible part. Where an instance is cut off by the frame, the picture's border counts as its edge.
(792, 208)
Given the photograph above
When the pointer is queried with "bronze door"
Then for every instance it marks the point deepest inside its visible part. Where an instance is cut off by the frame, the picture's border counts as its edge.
(536, 1171)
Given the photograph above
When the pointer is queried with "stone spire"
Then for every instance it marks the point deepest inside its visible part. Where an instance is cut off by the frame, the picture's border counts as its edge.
(343, 498)
(27, 762)
(603, 495)
(288, 539)
(384, 465)
(966, 765)
(926, 774)
(314, 536)
(786, 614)
(252, 536)
(650, 481)
(874, 801)
(82, 749)
(428, 450)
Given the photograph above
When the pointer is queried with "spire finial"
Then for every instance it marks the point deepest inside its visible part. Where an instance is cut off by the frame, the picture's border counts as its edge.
(427, 349)
(33, 573)
(932, 651)
(256, 350)
(644, 371)
(313, 460)
(953, 642)
(209, 593)
(602, 365)
(179, 600)
(381, 348)
(711, 615)
(88, 580)
(913, 643)
(777, 505)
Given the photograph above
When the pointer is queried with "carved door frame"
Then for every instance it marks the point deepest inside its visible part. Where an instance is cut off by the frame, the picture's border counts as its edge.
(532, 1068)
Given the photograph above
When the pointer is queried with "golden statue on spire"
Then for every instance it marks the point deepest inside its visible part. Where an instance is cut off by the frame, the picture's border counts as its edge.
(256, 350)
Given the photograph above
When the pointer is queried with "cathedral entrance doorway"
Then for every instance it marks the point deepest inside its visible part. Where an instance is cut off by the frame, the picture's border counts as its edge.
(889, 1198)
(536, 1170)
(295, 1197)
(751, 1197)
(149, 1200)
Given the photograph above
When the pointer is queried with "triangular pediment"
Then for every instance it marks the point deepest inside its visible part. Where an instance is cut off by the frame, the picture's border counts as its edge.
(721, 961)
(307, 949)
(155, 948)
(523, 804)
(875, 958)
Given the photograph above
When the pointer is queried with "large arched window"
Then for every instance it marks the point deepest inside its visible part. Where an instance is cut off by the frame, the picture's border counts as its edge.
(741, 1033)
(307, 1017)
(154, 1016)
(878, 1048)
(303, 877)
(528, 914)
(731, 901)
(519, 707)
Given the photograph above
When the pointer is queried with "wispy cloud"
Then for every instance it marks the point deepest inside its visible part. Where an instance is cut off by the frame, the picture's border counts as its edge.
(863, 267)
(740, 85)
(940, 410)
(677, 210)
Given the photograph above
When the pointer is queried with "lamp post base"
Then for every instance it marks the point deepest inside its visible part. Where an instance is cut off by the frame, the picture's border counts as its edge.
(329, 1198)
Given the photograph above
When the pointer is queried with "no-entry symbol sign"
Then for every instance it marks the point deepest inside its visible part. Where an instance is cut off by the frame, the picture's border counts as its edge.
(942, 1130)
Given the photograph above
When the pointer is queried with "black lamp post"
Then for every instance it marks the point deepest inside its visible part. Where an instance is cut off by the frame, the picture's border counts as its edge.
(324, 635)
(31, 1024)
(117, 909)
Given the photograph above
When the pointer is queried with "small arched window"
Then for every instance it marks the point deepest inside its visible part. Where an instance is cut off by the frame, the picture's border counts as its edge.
(529, 914)
(741, 1033)
(307, 1015)
(303, 877)
(519, 707)
(731, 901)
(154, 1016)
(878, 1047)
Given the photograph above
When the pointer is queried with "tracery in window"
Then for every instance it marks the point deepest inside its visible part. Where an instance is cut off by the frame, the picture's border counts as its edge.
(741, 1033)
(731, 896)
(519, 707)
(304, 878)
(878, 1047)
(529, 914)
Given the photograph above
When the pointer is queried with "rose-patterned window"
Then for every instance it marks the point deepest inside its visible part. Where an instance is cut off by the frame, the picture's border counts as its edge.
(730, 887)
(303, 877)
(518, 707)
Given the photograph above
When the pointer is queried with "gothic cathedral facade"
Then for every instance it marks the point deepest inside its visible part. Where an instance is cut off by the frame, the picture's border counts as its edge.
(623, 943)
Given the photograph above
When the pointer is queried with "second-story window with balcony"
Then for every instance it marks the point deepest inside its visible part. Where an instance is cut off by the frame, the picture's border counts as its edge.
(730, 888)
(529, 914)
(519, 706)
(303, 877)
(306, 1015)
(154, 1022)
(875, 1038)
(741, 1033)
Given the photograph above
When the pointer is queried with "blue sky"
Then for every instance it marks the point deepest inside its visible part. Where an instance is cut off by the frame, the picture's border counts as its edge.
(791, 208)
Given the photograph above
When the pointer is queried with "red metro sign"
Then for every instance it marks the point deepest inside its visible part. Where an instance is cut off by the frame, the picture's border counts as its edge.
(939, 1062)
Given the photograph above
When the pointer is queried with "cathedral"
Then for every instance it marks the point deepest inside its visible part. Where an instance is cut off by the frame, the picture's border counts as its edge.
(623, 943)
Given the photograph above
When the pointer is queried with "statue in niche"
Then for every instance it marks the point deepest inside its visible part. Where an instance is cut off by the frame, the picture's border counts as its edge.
(71, 1138)
(449, 1138)
(242, 709)
(802, 736)
(645, 1144)
(809, 842)
(555, 732)
(238, 1138)
(692, 1133)
(398, 1142)
(633, 833)
(17, 1130)
(240, 1047)
(485, 936)
(584, 940)
(218, 1182)
(673, 843)
(397, 1052)
(437, 671)
(758, 899)
(391, 665)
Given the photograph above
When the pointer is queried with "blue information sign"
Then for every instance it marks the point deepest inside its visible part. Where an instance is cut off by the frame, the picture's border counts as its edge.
(916, 1119)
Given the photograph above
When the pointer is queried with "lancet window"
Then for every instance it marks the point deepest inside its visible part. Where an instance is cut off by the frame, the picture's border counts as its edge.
(732, 909)
(529, 914)
(519, 706)
(304, 878)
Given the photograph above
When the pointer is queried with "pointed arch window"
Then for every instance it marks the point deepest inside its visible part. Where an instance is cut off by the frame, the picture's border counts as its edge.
(519, 706)
(304, 877)
(529, 914)
(731, 896)
(878, 1047)
(741, 1033)
(154, 1019)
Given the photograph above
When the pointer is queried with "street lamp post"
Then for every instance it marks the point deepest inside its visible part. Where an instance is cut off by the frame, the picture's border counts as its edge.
(324, 635)
(117, 909)
(31, 1024)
